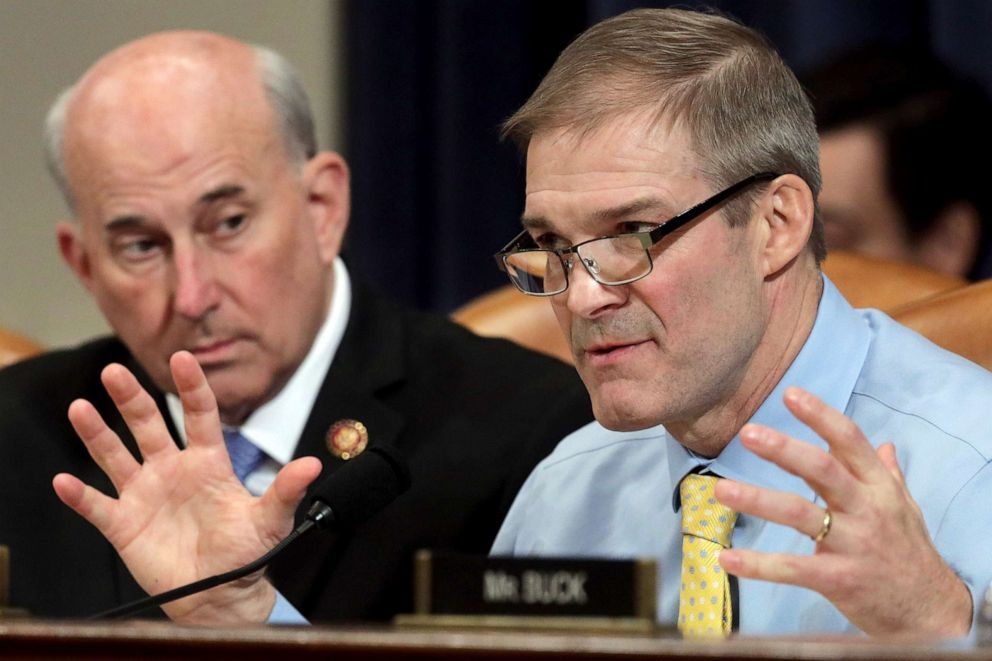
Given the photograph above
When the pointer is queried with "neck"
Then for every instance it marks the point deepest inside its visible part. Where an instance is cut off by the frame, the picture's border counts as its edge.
(791, 304)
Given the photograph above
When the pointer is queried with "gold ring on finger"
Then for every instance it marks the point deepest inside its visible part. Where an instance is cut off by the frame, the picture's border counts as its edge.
(825, 528)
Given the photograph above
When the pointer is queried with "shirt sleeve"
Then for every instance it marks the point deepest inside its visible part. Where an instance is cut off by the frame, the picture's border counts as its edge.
(965, 534)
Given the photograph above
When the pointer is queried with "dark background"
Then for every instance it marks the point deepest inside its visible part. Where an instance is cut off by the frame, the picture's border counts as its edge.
(429, 81)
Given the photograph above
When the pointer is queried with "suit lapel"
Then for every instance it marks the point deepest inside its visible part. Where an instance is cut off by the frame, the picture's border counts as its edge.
(370, 360)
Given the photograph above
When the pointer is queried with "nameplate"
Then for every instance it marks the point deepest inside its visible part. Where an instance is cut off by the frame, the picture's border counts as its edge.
(476, 585)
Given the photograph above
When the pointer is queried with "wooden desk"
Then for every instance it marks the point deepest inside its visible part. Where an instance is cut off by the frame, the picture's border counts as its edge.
(28, 639)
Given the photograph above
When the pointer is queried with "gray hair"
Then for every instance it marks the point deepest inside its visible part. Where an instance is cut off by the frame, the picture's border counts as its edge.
(741, 104)
(283, 89)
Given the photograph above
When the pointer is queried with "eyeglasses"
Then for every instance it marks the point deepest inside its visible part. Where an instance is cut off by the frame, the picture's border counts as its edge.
(610, 260)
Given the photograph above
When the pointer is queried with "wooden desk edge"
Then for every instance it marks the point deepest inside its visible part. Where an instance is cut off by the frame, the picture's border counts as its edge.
(27, 639)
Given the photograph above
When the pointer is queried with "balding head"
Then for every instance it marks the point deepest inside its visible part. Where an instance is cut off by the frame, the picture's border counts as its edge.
(204, 220)
(162, 68)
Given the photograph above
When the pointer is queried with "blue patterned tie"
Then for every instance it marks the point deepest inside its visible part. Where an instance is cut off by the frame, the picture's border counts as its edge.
(245, 455)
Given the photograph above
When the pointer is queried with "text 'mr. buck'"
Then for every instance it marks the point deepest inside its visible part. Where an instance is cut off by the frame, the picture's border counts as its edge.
(534, 587)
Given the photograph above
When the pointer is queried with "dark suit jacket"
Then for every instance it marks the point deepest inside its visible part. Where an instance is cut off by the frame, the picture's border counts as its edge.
(471, 415)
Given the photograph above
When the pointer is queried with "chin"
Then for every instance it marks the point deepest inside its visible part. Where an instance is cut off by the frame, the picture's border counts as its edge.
(622, 418)
(159, 373)
(624, 405)
(236, 398)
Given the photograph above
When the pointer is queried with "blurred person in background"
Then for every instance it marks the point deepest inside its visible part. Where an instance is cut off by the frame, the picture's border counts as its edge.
(898, 132)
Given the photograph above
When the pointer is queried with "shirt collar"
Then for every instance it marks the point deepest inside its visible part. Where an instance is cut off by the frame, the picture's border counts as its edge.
(828, 366)
(275, 427)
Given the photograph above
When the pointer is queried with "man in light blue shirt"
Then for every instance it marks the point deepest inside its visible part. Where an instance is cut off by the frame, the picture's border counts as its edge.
(605, 493)
(670, 217)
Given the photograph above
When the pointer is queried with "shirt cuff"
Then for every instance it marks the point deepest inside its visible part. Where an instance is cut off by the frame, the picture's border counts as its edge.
(285, 613)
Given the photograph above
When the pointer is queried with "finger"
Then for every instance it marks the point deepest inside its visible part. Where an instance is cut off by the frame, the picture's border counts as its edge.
(805, 571)
(279, 502)
(102, 443)
(775, 506)
(845, 439)
(200, 415)
(822, 471)
(85, 501)
(887, 455)
(138, 410)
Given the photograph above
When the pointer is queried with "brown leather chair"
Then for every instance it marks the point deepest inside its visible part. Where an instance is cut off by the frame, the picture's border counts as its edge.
(959, 320)
(864, 281)
(527, 320)
(869, 282)
(14, 347)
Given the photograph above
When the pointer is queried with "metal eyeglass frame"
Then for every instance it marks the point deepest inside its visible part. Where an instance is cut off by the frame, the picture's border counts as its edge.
(520, 242)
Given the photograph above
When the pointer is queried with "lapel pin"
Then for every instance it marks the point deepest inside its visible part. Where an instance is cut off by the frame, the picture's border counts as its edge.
(347, 438)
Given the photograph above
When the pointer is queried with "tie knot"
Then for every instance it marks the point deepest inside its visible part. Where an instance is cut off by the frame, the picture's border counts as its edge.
(702, 515)
(245, 455)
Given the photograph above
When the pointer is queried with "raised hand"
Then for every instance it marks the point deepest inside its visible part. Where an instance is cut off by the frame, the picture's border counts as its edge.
(876, 534)
(181, 514)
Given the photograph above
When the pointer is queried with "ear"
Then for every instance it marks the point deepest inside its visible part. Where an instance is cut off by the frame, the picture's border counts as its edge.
(71, 247)
(787, 216)
(328, 186)
(951, 245)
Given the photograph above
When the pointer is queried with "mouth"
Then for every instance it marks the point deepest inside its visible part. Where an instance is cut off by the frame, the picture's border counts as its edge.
(607, 353)
(215, 352)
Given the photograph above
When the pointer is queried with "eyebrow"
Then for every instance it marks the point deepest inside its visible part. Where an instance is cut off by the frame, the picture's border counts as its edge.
(124, 223)
(626, 210)
(130, 222)
(220, 193)
(633, 208)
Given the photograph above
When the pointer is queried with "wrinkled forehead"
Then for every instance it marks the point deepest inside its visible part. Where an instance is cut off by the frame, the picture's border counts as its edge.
(159, 113)
(579, 183)
(629, 144)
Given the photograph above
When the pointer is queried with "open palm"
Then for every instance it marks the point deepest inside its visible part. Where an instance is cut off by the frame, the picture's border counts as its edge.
(181, 515)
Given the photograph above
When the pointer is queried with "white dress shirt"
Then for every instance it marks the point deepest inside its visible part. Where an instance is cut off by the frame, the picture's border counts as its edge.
(275, 427)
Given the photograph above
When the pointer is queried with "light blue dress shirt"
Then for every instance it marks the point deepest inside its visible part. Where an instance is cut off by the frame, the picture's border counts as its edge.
(285, 613)
(614, 494)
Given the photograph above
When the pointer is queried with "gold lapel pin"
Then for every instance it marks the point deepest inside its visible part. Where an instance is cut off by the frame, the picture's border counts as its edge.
(347, 438)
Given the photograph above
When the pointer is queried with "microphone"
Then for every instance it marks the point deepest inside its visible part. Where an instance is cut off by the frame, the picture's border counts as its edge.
(350, 496)
(359, 489)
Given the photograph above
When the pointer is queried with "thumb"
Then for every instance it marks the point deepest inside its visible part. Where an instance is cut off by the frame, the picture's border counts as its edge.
(279, 502)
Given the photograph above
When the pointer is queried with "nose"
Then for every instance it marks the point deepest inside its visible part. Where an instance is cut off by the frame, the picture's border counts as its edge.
(196, 291)
(588, 298)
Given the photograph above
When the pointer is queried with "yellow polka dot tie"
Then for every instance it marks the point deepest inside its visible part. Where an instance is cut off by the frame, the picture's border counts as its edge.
(705, 609)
